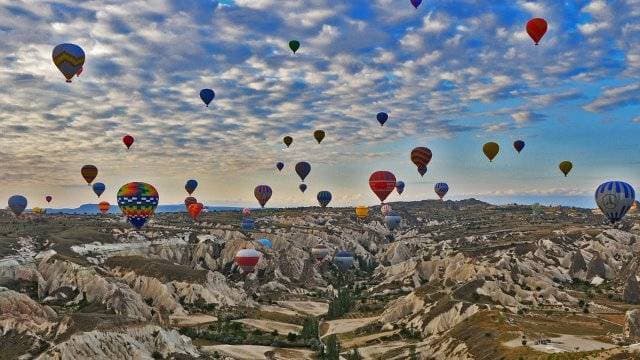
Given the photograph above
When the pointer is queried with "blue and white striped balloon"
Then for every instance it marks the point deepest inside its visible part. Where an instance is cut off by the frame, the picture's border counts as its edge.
(615, 198)
(441, 189)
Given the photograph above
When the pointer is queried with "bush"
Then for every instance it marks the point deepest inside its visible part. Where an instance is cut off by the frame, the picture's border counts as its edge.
(292, 337)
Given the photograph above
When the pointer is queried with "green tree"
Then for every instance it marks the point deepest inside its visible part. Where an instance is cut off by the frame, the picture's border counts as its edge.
(310, 328)
(332, 348)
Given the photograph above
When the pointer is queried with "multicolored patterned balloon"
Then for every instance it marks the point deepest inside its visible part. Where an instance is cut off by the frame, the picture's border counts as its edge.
(69, 59)
(138, 201)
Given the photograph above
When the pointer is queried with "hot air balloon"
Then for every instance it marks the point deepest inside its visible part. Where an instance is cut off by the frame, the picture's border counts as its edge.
(48, 198)
(195, 210)
(104, 207)
(385, 209)
(382, 183)
(615, 198)
(99, 188)
(69, 59)
(422, 170)
(263, 194)
(518, 145)
(565, 167)
(287, 140)
(362, 212)
(536, 28)
(89, 173)
(128, 141)
(416, 3)
(324, 198)
(247, 224)
(246, 212)
(303, 169)
(138, 201)
(247, 259)
(382, 118)
(318, 135)
(38, 210)
(441, 189)
(279, 165)
(17, 204)
(294, 45)
(400, 187)
(319, 252)
(392, 220)
(302, 187)
(421, 156)
(207, 96)
(491, 149)
(191, 186)
(188, 201)
(266, 243)
(343, 260)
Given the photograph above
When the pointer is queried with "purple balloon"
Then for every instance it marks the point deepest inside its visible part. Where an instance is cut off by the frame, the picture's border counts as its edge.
(416, 3)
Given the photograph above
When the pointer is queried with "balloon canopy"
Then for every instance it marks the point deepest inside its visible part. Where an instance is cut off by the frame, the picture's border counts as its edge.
(69, 59)
(207, 96)
(324, 198)
(89, 173)
(138, 201)
(536, 28)
(615, 198)
(17, 204)
(263, 194)
(382, 183)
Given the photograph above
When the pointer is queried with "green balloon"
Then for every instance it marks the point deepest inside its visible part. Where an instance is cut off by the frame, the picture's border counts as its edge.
(294, 45)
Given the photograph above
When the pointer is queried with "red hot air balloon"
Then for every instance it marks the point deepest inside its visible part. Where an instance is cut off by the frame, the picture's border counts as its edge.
(195, 210)
(263, 194)
(246, 212)
(382, 183)
(128, 141)
(421, 156)
(536, 28)
(48, 198)
(247, 259)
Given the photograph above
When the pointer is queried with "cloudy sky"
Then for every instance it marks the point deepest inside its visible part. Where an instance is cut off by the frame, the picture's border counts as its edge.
(452, 75)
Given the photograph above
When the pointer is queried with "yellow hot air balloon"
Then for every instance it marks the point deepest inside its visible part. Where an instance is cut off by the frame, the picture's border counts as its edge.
(362, 212)
(565, 167)
(491, 149)
(38, 210)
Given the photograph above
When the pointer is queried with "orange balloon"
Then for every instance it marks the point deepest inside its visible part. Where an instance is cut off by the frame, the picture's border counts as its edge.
(195, 210)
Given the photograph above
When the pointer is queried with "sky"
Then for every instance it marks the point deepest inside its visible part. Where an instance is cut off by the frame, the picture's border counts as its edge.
(452, 75)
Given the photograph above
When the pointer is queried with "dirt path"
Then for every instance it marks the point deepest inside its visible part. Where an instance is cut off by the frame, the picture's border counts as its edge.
(268, 325)
(306, 307)
(345, 325)
(254, 352)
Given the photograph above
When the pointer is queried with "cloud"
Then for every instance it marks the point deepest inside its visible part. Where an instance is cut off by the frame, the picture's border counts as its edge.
(433, 70)
(526, 117)
(615, 97)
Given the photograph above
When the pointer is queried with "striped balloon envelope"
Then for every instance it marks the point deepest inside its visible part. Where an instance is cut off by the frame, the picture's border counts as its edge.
(263, 194)
(247, 259)
(421, 156)
(615, 198)
(138, 202)
(324, 198)
(382, 183)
